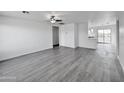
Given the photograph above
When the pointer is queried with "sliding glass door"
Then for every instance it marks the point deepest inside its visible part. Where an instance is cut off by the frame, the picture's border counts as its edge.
(104, 36)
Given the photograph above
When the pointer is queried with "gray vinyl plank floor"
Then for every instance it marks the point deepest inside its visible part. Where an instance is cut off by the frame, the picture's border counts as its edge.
(64, 65)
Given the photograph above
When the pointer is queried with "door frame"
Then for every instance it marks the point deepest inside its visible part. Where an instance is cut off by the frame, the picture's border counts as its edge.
(117, 37)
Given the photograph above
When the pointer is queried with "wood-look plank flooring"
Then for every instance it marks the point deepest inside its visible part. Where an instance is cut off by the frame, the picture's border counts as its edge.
(64, 65)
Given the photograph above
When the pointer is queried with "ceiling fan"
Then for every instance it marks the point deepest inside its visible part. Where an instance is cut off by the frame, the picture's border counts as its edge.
(25, 12)
(54, 20)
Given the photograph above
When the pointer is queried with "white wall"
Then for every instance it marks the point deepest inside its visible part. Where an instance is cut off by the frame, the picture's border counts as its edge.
(68, 36)
(84, 41)
(19, 37)
(76, 35)
(121, 39)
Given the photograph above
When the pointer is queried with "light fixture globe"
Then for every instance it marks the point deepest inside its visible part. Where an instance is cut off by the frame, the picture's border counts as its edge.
(53, 21)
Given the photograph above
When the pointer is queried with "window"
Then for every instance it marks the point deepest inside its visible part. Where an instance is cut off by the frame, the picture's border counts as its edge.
(104, 36)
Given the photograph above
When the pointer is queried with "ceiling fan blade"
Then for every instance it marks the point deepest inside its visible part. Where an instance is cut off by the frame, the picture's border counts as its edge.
(58, 20)
(61, 23)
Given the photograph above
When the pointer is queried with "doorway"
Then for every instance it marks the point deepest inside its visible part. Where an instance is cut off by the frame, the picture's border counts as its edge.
(55, 31)
(104, 36)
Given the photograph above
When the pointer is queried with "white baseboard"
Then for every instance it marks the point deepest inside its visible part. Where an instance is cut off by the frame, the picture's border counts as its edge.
(120, 62)
(22, 54)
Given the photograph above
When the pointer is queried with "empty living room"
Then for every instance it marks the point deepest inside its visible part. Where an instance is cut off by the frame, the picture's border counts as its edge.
(61, 46)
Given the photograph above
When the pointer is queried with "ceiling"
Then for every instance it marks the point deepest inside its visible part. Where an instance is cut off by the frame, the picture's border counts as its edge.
(92, 17)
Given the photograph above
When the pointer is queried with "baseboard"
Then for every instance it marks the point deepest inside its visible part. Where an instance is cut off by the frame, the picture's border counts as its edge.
(55, 45)
(23, 55)
(120, 63)
(88, 47)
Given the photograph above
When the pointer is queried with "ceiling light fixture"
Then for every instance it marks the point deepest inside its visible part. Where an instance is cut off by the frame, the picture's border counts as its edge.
(52, 19)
